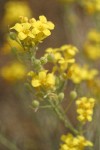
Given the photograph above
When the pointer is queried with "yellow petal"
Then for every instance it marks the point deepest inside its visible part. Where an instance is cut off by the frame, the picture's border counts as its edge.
(51, 25)
(42, 75)
(35, 83)
(46, 32)
(50, 79)
(26, 26)
(22, 36)
(18, 27)
(43, 19)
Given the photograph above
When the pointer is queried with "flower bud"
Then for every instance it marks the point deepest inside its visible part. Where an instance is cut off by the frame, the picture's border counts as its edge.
(61, 96)
(73, 95)
(43, 60)
(50, 57)
(12, 36)
(35, 103)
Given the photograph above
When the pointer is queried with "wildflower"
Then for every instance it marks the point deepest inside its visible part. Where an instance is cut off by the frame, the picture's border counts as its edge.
(85, 109)
(31, 32)
(11, 15)
(78, 74)
(91, 6)
(92, 45)
(94, 36)
(94, 86)
(13, 72)
(62, 56)
(43, 79)
(23, 30)
(74, 143)
(92, 51)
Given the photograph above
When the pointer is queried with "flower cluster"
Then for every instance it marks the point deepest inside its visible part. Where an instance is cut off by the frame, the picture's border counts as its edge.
(78, 74)
(74, 143)
(50, 85)
(11, 15)
(94, 86)
(62, 57)
(13, 72)
(31, 31)
(92, 45)
(91, 6)
(43, 79)
(85, 109)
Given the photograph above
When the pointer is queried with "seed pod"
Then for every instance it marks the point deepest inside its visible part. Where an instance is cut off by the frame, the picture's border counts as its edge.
(12, 36)
(73, 95)
(61, 96)
(35, 103)
(50, 57)
(43, 60)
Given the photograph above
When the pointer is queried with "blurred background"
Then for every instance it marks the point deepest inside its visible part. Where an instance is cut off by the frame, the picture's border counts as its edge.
(20, 127)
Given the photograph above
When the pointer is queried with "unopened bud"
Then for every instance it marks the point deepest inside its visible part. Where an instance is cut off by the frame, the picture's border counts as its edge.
(23, 19)
(61, 97)
(12, 36)
(37, 62)
(35, 103)
(50, 57)
(73, 95)
(43, 60)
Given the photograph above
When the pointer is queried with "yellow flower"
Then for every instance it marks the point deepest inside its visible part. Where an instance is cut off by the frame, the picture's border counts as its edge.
(78, 73)
(23, 30)
(14, 71)
(94, 86)
(92, 51)
(69, 51)
(92, 45)
(91, 6)
(63, 56)
(94, 36)
(42, 26)
(31, 32)
(85, 109)
(74, 143)
(14, 9)
(43, 79)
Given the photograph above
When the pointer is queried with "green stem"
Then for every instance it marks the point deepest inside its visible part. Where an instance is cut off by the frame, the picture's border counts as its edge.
(47, 106)
(7, 143)
(69, 105)
(62, 116)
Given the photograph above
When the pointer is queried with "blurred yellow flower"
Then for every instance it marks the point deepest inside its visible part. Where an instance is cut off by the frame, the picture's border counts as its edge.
(91, 6)
(79, 73)
(92, 45)
(85, 109)
(92, 51)
(74, 143)
(8, 45)
(13, 72)
(94, 86)
(14, 9)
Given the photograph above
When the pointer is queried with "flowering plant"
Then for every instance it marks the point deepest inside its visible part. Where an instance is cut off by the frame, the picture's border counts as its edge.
(49, 85)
